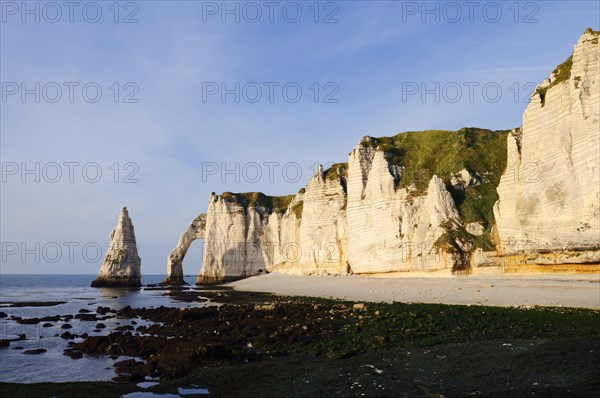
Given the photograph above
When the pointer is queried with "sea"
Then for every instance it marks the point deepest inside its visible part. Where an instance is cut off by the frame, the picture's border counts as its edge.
(75, 291)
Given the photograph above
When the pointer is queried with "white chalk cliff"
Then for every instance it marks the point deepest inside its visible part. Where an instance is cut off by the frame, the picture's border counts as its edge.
(454, 202)
(121, 266)
(549, 195)
(389, 229)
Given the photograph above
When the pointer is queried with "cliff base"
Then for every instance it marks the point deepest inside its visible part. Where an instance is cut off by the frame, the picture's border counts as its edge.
(116, 282)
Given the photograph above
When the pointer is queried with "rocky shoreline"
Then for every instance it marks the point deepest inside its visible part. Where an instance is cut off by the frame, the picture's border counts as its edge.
(256, 343)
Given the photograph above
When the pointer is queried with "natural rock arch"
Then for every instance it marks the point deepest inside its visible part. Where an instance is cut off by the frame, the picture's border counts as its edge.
(175, 260)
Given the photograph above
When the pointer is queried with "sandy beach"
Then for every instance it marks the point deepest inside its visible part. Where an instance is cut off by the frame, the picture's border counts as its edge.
(582, 291)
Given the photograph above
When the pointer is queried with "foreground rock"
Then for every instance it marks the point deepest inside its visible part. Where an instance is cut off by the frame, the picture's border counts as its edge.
(35, 351)
(121, 266)
(497, 368)
(254, 327)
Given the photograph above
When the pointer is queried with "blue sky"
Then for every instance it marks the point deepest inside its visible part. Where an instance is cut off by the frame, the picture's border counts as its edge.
(366, 58)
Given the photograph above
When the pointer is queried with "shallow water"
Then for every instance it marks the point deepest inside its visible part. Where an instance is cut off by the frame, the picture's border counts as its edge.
(180, 392)
(75, 291)
(140, 394)
(192, 391)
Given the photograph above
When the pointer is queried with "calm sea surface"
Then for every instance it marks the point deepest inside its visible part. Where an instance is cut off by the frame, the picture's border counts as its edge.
(75, 290)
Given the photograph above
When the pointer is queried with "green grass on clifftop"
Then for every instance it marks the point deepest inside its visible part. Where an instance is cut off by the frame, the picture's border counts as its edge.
(297, 209)
(442, 153)
(251, 199)
(421, 155)
(560, 74)
(425, 153)
(332, 172)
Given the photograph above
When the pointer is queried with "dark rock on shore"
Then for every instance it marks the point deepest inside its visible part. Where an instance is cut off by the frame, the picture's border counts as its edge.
(68, 336)
(188, 338)
(33, 304)
(177, 359)
(116, 282)
(35, 351)
(74, 354)
(28, 321)
(134, 370)
(124, 328)
(20, 338)
(87, 317)
(33, 321)
(103, 310)
(127, 312)
(186, 296)
(255, 327)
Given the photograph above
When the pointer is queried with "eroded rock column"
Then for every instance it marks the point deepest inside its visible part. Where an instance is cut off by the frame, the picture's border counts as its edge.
(122, 264)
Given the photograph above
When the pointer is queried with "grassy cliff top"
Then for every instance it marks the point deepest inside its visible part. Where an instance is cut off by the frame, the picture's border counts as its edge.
(422, 154)
(439, 152)
(562, 72)
(332, 172)
(251, 199)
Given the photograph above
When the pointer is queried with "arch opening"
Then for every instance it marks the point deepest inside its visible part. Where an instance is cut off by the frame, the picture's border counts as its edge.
(192, 262)
(175, 261)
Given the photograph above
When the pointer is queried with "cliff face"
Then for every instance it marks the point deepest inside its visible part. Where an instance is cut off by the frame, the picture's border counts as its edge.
(121, 266)
(361, 216)
(319, 245)
(389, 229)
(448, 201)
(249, 233)
(227, 242)
(549, 195)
